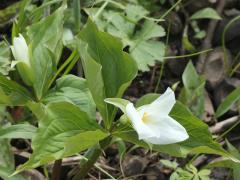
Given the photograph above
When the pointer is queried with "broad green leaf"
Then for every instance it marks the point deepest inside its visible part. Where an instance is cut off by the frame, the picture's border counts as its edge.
(233, 97)
(4, 58)
(83, 140)
(74, 90)
(48, 32)
(44, 68)
(58, 123)
(11, 93)
(25, 131)
(200, 139)
(108, 69)
(46, 47)
(206, 13)
(193, 92)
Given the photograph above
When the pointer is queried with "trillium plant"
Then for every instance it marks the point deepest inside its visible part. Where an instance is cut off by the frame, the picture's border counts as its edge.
(79, 115)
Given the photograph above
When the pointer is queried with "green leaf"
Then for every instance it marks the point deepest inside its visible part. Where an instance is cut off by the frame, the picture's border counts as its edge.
(147, 52)
(193, 93)
(135, 12)
(143, 49)
(150, 30)
(85, 139)
(6, 155)
(25, 131)
(108, 69)
(58, 123)
(169, 164)
(44, 68)
(206, 13)
(200, 139)
(143, 46)
(190, 77)
(223, 162)
(11, 93)
(147, 99)
(7, 164)
(48, 32)
(46, 47)
(120, 103)
(120, 27)
(233, 97)
(4, 58)
(74, 90)
(204, 172)
(5, 173)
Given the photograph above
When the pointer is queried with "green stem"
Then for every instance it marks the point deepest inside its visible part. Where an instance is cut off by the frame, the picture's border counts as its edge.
(168, 11)
(69, 59)
(160, 77)
(228, 130)
(92, 156)
(235, 69)
(188, 55)
(69, 68)
(100, 10)
(223, 39)
(77, 14)
(193, 158)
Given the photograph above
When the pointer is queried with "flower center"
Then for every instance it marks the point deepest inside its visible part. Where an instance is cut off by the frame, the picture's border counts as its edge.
(145, 118)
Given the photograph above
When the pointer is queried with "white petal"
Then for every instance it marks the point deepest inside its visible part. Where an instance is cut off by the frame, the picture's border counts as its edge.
(166, 130)
(136, 119)
(20, 49)
(67, 36)
(164, 103)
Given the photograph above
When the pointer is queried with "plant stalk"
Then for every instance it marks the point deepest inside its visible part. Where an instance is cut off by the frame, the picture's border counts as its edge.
(91, 156)
(57, 170)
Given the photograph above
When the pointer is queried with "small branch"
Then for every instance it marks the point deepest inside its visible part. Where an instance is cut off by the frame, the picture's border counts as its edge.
(221, 126)
(200, 160)
(57, 170)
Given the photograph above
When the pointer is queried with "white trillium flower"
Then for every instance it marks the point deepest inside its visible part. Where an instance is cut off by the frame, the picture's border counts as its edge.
(67, 36)
(153, 123)
(20, 50)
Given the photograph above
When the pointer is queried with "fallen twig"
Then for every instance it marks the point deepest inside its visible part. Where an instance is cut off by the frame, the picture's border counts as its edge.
(219, 127)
